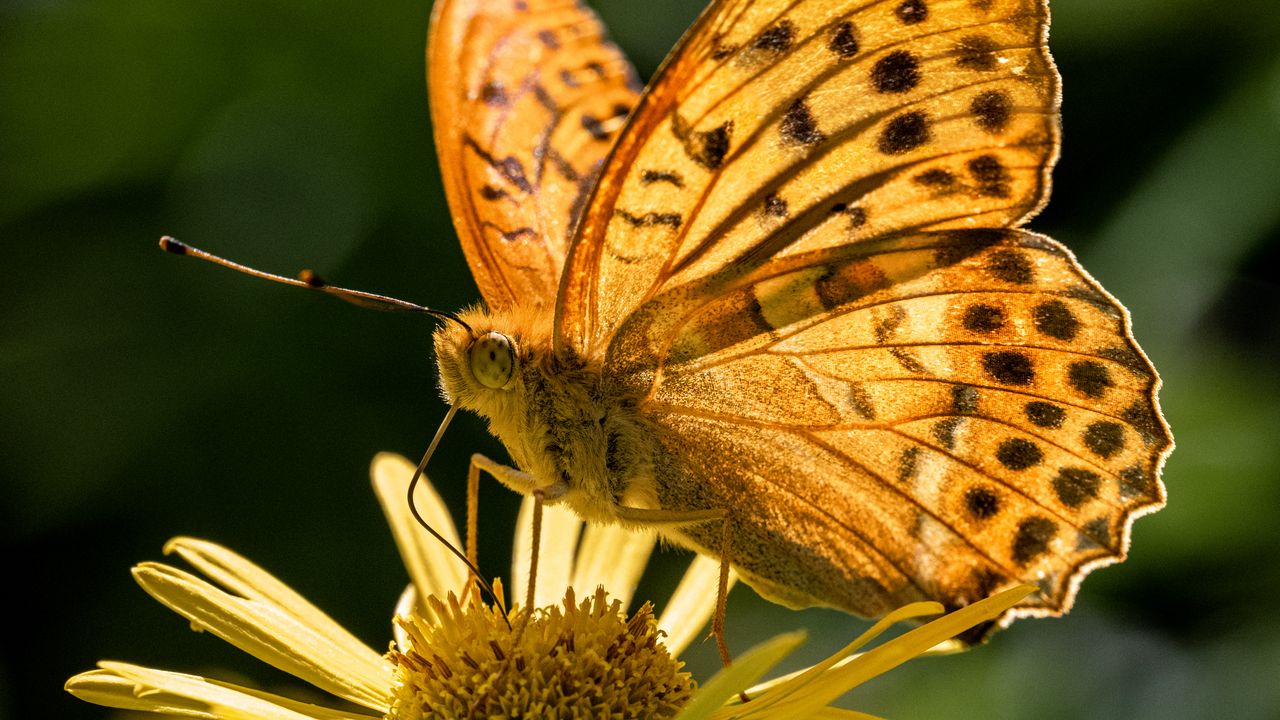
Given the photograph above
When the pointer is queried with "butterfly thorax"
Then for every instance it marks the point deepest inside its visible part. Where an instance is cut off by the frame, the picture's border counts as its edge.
(557, 422)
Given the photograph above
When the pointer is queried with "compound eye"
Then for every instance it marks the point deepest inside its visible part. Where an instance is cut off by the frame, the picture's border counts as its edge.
(492, 360)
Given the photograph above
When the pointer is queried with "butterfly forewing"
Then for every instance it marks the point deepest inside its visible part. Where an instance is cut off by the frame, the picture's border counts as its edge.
(782, 128)
(527, 97)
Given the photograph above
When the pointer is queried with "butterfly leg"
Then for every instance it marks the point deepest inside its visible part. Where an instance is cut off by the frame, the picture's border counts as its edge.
(647, 517)
(518, 480)
(722, 596)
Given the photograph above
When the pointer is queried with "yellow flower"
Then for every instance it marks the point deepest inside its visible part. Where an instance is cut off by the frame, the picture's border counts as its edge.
(572, 659)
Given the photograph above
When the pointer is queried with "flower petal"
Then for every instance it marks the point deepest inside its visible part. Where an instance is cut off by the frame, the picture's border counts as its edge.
(693, 603)
(274, 635)
(434, 569)
(845, 676)
(560, 530)
(745, 670)
(132, 687)
(775, 691)
(242, 577)
(613, 556)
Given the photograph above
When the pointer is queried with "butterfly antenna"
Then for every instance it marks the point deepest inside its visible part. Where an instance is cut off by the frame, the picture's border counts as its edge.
(311, 281)
(413, 508)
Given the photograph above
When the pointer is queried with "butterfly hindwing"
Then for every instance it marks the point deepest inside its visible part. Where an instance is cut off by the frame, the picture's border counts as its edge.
(527, 97)
(940, 416)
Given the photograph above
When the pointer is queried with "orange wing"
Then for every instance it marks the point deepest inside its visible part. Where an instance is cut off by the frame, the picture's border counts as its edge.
(526, 99)
(948, 414)
(779, 128)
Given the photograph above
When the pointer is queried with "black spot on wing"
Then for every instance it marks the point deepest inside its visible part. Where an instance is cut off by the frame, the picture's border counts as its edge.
(1076, 485)
(518, 233)
(1009, 367)
(709, 148)
(774, 206)
(983, 318)
(1094, 534)
(910, 12)
(1011, 266)
(935, 178)
(509, 167)
(909, 362)
(860, 401)
(1032, 539)
(1104, 438)
(549, 39)
(1045, 415)
(671, 220)
(778, 38)
(798, 126)
(992, 109)
(895, 73)
(649, 177)
(1089, 377)
(494, 94)
(844, 40)
(989, 175)
(907, 462)
(904, 133)
(1129, 358)
(944, 431)
(976, 52)
(1018, 454)
(1055, 319)
(961, 244)
(964, 399)
(1142, 416)
(1134, 480)
(982, 503)
(594, 127)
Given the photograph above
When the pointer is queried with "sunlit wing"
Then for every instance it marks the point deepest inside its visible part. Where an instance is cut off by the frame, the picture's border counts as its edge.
(781, 128)
(527, 97)
(948, 414)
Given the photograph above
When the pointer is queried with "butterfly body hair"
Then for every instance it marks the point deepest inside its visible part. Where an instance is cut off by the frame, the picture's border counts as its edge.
(554, 416)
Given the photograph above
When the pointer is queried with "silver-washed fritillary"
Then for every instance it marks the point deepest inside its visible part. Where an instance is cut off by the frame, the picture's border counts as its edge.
(786, 283)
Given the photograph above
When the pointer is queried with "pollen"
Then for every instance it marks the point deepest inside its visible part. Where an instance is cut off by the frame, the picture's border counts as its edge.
(575, 660)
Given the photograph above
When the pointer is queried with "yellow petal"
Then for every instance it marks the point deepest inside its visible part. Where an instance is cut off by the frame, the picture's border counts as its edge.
(692, 604)
(745, 670)
(132, 687)
(560, 530)
(433, 569)
(769, 694)
(273, 635)
(842, 678)
(613, 556)
(243, 578)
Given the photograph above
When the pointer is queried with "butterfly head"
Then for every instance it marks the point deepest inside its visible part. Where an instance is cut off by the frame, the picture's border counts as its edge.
(481, 362)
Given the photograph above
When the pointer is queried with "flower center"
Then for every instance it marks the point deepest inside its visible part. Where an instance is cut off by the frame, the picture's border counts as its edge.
(582, 660)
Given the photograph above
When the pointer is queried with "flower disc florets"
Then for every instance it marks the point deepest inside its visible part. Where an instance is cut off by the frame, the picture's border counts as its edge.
(578, 660)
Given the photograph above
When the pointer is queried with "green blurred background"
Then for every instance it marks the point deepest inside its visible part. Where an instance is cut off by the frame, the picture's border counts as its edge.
(146, 396)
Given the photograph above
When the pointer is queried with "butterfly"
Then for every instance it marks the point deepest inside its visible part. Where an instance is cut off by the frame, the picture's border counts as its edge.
(778, 304)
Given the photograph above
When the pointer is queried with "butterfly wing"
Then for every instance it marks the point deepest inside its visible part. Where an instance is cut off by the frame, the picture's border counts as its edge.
(947, 414)
(776, 128)
(800, 259)
(526, 99)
